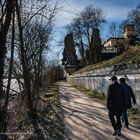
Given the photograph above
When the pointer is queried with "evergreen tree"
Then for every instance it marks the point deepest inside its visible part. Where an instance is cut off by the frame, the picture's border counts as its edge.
(69, 53)
(82, 52)
(95, 47)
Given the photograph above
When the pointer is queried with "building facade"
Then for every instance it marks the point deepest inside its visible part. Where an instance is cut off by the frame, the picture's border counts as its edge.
(129, 31)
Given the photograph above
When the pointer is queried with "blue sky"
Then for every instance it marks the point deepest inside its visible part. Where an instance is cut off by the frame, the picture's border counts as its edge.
(114, 10)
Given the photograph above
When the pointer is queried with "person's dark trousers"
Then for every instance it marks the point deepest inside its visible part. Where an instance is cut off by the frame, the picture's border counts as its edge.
(124, 115)
(115, 120)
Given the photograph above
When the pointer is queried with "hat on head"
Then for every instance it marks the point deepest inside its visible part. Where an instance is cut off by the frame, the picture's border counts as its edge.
(113, 78)
(122, 80)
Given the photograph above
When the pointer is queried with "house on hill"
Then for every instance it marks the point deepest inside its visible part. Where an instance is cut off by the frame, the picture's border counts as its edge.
(113, 42)
(129, 31)
(116, 45)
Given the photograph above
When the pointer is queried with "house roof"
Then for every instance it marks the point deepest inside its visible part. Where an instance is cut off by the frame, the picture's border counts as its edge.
(113, 38)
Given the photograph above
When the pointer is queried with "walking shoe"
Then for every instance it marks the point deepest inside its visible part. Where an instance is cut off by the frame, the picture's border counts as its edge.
(122, 118)
(127, 126)
(119, 133)
(115, 132)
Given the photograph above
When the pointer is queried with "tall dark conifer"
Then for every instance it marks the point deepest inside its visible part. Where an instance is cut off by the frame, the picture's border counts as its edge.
(69, 53)
(95, 47)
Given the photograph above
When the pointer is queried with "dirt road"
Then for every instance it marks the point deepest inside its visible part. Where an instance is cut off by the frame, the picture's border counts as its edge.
(86, 119)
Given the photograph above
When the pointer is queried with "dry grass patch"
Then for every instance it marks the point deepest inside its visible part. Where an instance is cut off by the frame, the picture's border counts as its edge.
(91, 93)
(51, 114)
(134, 116)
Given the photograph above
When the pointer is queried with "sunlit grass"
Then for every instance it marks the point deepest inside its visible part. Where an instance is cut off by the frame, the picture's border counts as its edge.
(91, 93)
(131, 55)
(134, 116)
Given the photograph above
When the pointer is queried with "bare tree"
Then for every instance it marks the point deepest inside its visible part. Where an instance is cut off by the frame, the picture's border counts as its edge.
(92, 18)
(76, 29)
(32, 48)
(113, 29)
(34, 33)
(7, 9)
(83, 26)
(38, 17)
(134, 17)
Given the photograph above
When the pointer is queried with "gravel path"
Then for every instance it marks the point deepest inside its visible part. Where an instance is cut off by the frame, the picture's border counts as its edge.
(86, 119)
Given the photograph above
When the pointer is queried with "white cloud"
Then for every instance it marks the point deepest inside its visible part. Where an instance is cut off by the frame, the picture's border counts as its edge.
(113, 10)
(69, 11)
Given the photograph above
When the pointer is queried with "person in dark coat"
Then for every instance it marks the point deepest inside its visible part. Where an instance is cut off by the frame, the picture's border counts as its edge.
(115, 105)
(128, 92)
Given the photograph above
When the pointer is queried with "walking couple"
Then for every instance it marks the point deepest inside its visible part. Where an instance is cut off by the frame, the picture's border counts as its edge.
(118, 102)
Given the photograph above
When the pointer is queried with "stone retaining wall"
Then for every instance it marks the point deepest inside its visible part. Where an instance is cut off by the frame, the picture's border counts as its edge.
(98, 79)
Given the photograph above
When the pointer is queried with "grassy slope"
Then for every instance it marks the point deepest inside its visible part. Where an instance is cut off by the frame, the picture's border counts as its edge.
(133, 54)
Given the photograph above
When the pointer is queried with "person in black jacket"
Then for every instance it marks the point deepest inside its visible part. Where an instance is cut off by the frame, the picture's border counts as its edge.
(115, 105)
(128, 92)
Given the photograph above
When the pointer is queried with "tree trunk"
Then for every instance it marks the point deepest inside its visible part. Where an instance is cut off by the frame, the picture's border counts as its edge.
(24, 62)
(82, 51)
(10, 5)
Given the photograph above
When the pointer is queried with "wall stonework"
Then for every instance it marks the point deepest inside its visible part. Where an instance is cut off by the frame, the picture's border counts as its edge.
(98, 79)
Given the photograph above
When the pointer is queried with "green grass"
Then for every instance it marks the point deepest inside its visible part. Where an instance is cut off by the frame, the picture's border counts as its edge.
(131, 55)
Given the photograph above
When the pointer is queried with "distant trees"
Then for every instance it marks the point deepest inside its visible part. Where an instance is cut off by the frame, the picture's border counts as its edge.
(113, 30)
(53, 73)
(82, 28)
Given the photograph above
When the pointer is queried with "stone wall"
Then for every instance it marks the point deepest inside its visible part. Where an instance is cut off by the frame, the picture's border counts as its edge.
(98, 79)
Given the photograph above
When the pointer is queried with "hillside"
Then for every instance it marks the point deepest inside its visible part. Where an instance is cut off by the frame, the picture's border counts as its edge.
(132, 55)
